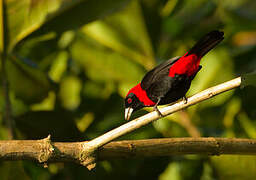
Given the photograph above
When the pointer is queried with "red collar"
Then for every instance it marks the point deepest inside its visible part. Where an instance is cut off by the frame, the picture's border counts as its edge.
(141, 95)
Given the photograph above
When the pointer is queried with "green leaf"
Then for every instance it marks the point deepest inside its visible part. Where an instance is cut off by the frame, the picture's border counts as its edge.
(13, 170)
(125, 33)
(169, 7)
(26, 16)
(1, 27)
(248, 80)
(81, 12)
(70, 89)
(29, 83)
(232, 109)
(102, 64)
(58, 66)
(247, 124)
(171, 172)
(235, 166)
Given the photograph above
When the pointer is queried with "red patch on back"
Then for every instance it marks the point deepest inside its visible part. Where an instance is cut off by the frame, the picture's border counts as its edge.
(141, 95)
(187, 65)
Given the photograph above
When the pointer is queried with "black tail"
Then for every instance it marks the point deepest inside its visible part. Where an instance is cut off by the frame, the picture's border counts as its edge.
(206, 43)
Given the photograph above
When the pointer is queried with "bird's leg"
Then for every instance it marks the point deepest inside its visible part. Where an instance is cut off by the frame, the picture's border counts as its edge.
(185, 99)
(156, 109)
(158, 112)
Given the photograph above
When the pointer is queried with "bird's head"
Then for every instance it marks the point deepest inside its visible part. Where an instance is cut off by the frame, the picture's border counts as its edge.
(132, 104)
(136, 99)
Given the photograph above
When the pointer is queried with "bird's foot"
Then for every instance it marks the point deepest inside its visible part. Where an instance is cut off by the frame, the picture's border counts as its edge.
(185, 100)
(158, 112)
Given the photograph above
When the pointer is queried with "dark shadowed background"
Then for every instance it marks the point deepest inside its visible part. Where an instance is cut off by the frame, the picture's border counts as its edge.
(70, 64)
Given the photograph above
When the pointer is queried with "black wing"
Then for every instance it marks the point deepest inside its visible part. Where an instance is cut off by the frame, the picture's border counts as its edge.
(169, 89)
(157, 73)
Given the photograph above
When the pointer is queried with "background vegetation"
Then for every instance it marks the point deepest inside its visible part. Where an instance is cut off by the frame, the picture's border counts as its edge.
(70, 64)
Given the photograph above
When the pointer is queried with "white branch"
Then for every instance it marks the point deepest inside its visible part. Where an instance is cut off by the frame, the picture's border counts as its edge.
(150, 117)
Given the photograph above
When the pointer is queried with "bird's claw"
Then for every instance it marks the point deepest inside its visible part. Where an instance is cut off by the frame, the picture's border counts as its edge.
(185, 100)
(158, 112)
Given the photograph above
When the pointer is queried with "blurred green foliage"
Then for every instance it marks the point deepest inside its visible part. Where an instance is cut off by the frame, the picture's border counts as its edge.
(70, 63)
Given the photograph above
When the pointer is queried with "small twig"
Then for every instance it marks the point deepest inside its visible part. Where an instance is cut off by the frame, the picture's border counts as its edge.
(185, 121)
(3, 50)
(8, 110)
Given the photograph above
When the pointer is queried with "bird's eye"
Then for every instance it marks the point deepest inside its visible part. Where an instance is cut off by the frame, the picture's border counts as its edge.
(129, 100)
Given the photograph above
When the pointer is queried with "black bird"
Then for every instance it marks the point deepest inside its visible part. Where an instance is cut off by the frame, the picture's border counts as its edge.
(170, 80)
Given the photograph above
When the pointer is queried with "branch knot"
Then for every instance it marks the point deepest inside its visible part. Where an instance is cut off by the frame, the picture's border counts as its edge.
(46, 150)
(87, 156)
